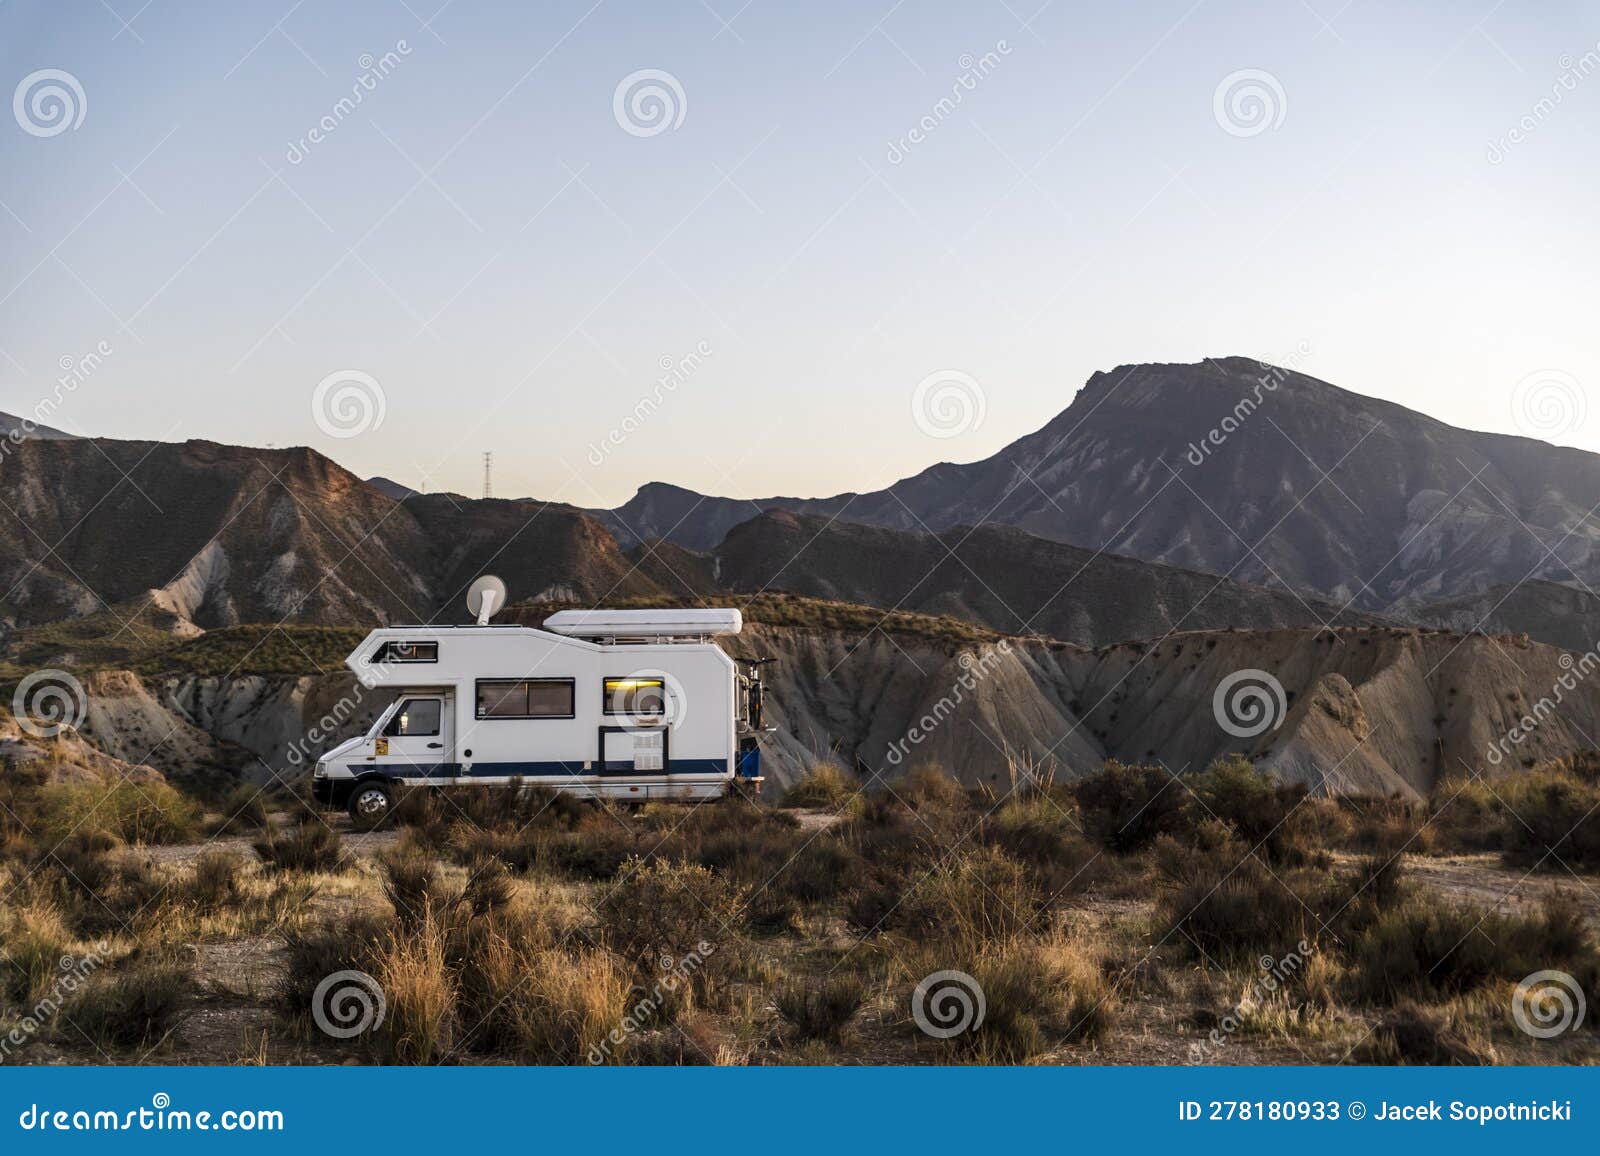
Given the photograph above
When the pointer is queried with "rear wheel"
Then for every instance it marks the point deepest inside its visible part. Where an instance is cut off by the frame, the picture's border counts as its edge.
(370, 804)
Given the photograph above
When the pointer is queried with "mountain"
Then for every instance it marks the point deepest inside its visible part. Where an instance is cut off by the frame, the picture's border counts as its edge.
(218, 535)
(1549, 612)
(20, 428)
(1238, 468)
(1002, 578)
(174, 537)
(392, 489)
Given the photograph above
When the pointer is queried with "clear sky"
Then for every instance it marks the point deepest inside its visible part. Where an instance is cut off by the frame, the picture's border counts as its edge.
(509, 252)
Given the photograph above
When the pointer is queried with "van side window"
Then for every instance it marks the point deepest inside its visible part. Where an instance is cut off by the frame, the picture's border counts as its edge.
(416, 716)
(525, 698)
(407, 652)
(635, 696)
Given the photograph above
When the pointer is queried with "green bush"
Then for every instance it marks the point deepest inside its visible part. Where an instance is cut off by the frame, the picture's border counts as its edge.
(309, 846)
(149, 812)
(826, 786)
(1126, 807)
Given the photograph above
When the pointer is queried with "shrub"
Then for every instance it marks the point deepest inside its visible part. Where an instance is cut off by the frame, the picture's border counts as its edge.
(826, 786)
(309, 846)
(348, 943)
(1390, 826)
(149, 812)
(1267, 815)
(1035, 995)
(35, 939)
(1039, 833)
(1428, 949)
(245, 809)
(489, 886)
(133, 1006)
(572, 1002)
(930, 786)
(215, 881)
(977, 897)
(1235, 917)
(1553, 820)
(104, 890)
(1126, 807)
(661, 912)
(819, 1009)
(1411, 1034)
(419, 1022)
(412, 886)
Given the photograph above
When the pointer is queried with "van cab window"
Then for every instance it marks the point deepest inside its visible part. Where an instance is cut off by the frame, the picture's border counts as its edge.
(416, 716)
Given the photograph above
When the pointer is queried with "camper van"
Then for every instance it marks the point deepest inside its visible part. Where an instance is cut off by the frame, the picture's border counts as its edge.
(621, 704)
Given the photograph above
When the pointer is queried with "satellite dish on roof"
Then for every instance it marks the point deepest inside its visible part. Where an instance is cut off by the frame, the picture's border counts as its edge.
(486, 595)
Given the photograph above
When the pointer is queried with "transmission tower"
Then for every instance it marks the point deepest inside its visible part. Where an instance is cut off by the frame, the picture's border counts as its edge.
(488, 479)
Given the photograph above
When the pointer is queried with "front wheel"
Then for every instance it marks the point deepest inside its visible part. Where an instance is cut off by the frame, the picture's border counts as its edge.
(370, 804)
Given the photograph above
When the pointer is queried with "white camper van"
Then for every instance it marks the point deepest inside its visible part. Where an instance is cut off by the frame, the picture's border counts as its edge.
(624, 704)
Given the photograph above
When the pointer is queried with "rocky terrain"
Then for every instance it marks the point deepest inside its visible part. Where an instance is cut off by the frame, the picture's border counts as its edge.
(1042, 627)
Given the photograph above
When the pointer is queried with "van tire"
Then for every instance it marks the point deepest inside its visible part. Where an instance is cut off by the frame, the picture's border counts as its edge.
(371, 802)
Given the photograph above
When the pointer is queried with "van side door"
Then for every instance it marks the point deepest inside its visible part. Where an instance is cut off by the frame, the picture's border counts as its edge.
(416, 741)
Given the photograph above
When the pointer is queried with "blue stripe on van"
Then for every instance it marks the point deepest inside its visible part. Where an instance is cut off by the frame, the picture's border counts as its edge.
(530, 770)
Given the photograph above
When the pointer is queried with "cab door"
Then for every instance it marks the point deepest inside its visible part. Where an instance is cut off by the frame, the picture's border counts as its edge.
(416, 741)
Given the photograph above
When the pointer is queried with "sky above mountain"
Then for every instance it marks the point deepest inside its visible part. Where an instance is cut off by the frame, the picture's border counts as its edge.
(769, 248)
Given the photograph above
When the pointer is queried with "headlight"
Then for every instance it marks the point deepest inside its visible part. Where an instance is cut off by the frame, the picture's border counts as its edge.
(320, 771)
